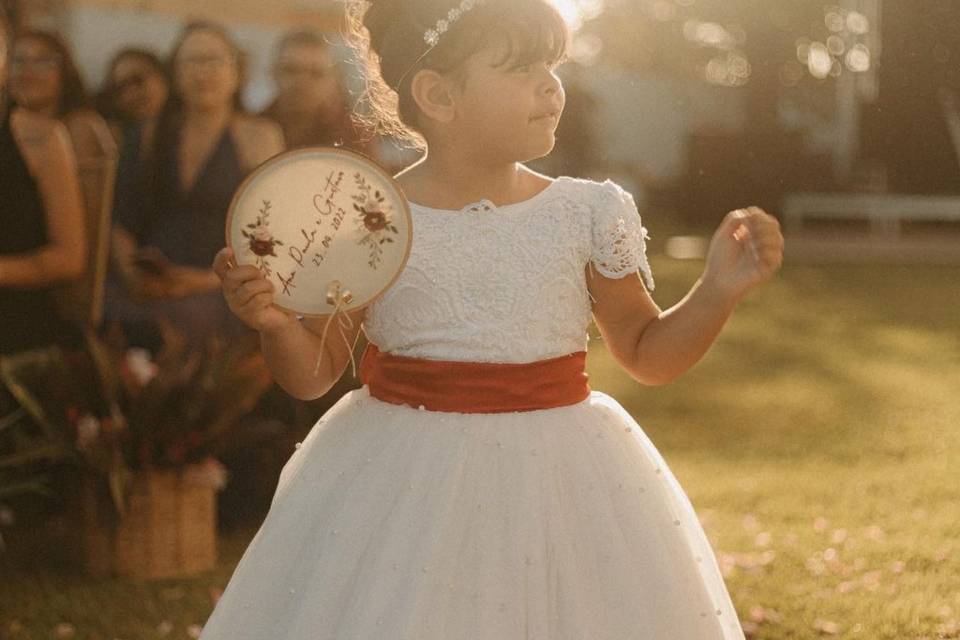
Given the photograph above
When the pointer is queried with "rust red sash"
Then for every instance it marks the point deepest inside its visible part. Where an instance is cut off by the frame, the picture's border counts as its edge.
(475, 387)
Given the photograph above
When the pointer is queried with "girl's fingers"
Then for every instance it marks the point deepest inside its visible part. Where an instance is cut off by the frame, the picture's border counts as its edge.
(223, 262)
(758, 233)
(746, 237)
(731, 222)
(231, 274)
(248, 290)
(772, 256)
(256, 303)
(770, 242)
(238, 276)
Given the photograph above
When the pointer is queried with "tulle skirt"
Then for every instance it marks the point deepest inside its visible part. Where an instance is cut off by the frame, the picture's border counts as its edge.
(393, 523)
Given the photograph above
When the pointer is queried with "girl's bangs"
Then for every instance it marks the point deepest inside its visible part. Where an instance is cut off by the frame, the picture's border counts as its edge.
(535, 32)
(526, 31)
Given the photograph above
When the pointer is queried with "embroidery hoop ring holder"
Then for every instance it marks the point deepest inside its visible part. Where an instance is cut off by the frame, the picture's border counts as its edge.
(340, 298)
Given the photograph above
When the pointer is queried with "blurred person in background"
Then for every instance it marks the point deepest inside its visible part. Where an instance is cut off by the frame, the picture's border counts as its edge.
(43, 246)
(314, 108)
(205, 145)
(134, 93)
(41, 214)
(136, 87)
(44, 79)
(313, 104)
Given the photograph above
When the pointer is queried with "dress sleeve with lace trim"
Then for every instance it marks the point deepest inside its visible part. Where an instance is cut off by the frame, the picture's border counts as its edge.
(619, 238)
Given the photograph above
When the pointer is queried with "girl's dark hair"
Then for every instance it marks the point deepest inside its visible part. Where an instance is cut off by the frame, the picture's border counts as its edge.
(73, 93)
(388, 35)
(105, 98)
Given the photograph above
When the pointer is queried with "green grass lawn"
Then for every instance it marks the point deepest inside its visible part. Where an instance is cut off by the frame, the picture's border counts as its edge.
(818, 440)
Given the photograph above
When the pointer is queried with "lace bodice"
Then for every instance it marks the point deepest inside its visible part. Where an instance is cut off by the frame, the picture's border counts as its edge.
(507, 284)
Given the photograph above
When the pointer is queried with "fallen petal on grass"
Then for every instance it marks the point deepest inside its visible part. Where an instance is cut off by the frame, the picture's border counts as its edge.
(826, 627)
(846, 586)
(874, 532)
(64, 630)
(949, 629)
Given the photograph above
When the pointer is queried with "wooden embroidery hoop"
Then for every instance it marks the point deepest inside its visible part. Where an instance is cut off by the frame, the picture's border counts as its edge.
(338, 283)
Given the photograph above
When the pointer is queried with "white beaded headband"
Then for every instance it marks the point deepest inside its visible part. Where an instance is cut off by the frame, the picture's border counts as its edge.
(432, 36)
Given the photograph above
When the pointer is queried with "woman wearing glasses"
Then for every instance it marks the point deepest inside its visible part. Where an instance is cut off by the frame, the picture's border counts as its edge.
(44, 79)
(205, 144)
(136, 89)
(135, 92)
(41, 218)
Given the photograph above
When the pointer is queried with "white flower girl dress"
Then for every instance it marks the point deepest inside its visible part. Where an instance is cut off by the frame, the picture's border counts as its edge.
(396, 522)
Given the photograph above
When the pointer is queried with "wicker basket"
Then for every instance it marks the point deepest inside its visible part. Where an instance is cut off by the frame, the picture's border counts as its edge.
(168, 531)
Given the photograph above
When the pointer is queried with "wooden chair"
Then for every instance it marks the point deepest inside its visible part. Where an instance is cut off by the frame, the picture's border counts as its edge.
(81, 302)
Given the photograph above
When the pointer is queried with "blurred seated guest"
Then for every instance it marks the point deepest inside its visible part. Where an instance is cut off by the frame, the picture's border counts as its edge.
(205, 144)
(44, 79)
(135, 91)
(312, 102)
(133, 95)
(136, 87)
(41, 215)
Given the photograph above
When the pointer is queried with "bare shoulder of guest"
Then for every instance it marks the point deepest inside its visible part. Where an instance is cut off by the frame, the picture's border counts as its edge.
(90, 134)
(48, 153)
(38, 137)
(258, 139)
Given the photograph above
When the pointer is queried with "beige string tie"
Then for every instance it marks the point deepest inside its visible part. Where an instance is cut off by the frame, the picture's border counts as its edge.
(339, 298)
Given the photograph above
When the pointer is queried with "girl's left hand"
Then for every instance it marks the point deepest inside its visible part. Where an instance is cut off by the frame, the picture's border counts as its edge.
(746, 250)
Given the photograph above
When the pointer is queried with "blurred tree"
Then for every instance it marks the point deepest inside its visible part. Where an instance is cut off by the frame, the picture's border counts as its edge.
(907, 129)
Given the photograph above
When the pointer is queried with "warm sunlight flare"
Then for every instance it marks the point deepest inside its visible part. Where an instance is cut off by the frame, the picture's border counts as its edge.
(576, 12)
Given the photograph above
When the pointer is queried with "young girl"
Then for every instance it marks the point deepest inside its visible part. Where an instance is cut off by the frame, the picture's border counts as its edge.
(475, 488)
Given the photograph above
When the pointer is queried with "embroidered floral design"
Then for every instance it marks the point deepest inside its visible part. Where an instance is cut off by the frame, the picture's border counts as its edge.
(374, 220)
(260, 242)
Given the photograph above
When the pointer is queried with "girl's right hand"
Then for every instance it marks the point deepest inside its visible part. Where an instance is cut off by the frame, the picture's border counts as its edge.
(249, 294)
